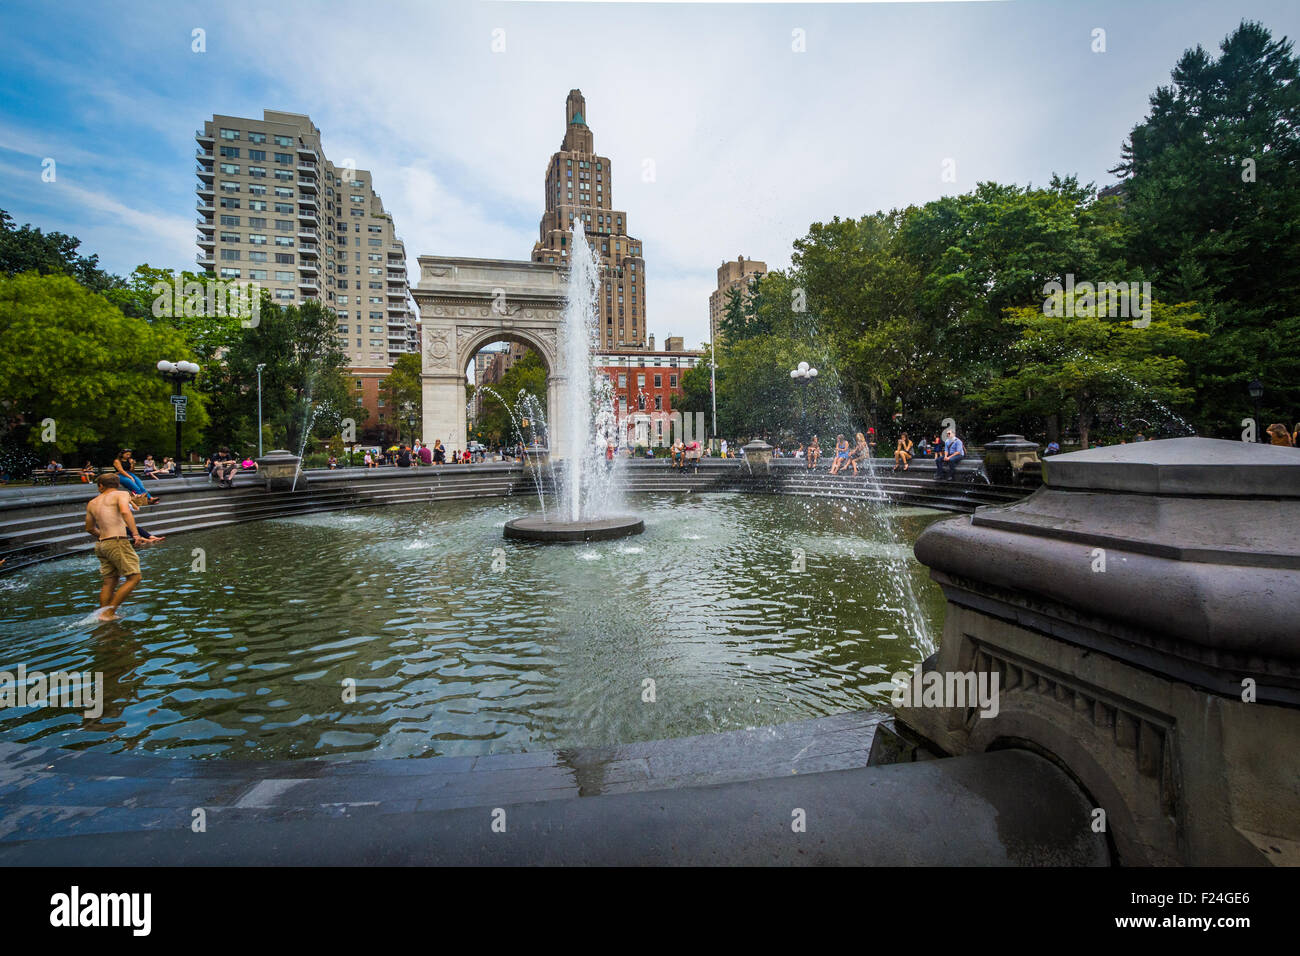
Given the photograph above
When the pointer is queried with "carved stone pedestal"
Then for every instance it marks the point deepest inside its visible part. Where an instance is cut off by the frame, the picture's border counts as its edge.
(1141, 613)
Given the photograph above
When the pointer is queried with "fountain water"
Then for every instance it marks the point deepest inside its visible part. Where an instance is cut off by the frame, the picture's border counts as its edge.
(587, 499)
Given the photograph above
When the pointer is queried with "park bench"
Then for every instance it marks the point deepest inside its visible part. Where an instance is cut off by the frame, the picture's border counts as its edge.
(52, 476)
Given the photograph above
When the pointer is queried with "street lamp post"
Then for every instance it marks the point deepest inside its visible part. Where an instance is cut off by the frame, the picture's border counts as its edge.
(713, 390)
(410, 427)
(178, 373)
(1256, 390)
(260, 366)
(802, 376)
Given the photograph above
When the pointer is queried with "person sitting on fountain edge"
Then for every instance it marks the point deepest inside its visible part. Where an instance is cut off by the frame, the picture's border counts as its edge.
(953, 452)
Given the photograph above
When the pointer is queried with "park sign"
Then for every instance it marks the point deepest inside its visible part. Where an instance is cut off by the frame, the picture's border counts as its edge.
(179, 402)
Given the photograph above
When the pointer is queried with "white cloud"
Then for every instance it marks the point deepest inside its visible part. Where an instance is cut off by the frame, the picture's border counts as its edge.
(751, 141)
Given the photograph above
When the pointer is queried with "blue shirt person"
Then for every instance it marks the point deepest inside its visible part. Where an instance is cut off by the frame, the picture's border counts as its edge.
(953, 452)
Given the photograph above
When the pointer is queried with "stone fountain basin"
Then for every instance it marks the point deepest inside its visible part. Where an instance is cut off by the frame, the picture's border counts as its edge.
(534, 528)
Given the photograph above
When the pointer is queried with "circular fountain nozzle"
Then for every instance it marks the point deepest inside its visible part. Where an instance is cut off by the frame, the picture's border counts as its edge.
(534, 528)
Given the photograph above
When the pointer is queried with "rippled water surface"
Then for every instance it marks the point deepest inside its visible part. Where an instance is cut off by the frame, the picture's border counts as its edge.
(253, 656)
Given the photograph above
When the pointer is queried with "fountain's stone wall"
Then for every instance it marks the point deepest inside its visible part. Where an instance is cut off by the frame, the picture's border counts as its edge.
(38, 524)
(1139, 614)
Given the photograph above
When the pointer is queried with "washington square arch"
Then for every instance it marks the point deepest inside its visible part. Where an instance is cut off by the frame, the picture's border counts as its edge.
(466, 304)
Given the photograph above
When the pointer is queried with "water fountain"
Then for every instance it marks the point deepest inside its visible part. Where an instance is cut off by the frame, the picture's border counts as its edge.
(587, 509)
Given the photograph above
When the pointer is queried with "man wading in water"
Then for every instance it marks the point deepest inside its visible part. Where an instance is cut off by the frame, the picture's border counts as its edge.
(108, 518)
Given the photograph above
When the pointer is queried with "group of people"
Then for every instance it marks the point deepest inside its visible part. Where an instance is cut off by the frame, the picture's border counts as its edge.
(681, 451)
(222, 466)
(406, 456)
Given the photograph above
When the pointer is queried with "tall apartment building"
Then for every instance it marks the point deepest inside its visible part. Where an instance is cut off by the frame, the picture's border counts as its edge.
(731, 275)
(272, 208)
(579, 188)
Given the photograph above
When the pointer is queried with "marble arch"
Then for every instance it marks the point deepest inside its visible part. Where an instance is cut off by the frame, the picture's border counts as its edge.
(465, 304)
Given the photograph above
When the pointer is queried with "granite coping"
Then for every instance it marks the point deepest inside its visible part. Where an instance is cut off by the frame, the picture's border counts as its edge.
(1006, 808)
(1180, 466)
(52, 792)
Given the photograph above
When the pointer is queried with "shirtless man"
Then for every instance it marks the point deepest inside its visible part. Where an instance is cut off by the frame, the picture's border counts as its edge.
(108, 519)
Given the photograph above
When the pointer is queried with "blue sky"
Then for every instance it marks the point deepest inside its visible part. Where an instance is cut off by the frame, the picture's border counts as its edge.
(749, 141)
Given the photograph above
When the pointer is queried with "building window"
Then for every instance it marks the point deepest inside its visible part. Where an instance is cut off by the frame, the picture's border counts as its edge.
(257, 155)
(230, 134)
(256, 137)
(659, 381)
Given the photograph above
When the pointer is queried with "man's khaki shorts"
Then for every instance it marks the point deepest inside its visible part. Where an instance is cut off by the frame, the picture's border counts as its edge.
(117, 558)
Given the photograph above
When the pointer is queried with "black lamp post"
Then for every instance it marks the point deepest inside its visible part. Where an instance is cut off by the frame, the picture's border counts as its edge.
(410, 426)
(178, 373)
(801, 377)
(1256, 390)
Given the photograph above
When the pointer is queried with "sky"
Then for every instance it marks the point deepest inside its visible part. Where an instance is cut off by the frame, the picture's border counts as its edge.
(731, 127)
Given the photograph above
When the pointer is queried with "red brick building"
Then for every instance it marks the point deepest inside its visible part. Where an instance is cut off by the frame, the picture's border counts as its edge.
(646, 383)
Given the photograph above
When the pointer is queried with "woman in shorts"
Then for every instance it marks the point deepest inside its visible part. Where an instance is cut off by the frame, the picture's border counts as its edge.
(841, 454)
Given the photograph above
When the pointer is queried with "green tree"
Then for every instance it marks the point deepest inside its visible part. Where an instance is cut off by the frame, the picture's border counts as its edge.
(49, 253)
(1088, 365)
(210, 324)
(527, 375)
(68, 356)
(757, 397)
(697, 392)
(402, 390)
(1211, 179)
(304, 379)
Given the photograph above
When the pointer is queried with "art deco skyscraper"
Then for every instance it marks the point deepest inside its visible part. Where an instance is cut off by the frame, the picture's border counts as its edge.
(579, 188)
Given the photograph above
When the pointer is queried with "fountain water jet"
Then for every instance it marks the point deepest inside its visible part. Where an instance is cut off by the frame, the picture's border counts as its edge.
(588, 501)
